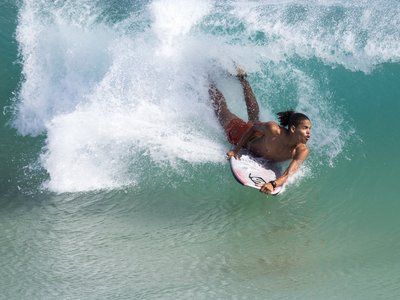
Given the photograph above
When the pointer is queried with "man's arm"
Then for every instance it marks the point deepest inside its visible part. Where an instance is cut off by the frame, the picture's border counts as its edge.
(299, 157)
(242, 142)
(255, 131)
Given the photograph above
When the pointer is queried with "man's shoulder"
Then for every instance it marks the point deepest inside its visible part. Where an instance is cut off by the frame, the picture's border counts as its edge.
(302, 147)
(269, 128)
(273, 127)
(302, 150)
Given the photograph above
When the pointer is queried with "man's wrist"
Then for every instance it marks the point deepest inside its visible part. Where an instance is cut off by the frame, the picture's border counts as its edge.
(273, 183)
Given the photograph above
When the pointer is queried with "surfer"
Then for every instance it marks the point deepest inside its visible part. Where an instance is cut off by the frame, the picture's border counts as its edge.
(269, 140)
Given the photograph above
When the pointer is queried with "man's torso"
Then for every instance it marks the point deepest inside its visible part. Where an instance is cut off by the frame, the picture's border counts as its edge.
(271, 145)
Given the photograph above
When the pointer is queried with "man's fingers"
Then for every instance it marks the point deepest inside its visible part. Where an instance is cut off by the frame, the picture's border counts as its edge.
(264, 189)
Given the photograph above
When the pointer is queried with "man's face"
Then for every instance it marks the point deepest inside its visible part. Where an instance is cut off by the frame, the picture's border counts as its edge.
(303, 131)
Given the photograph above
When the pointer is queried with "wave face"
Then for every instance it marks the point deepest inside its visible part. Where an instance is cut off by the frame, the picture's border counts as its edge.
(119, 89)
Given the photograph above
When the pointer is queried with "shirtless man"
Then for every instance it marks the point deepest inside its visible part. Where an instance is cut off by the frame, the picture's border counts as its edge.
(266, 139)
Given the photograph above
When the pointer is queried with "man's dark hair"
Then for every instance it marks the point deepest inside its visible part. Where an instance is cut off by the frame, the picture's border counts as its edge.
(289, 118)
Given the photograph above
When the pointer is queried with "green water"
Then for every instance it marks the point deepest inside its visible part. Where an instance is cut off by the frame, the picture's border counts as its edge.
(113, 180)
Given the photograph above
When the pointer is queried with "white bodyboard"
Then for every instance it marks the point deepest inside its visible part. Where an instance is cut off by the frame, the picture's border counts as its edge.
(253, 171)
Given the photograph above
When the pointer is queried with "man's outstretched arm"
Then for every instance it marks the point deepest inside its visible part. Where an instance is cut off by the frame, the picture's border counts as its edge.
(300, 156)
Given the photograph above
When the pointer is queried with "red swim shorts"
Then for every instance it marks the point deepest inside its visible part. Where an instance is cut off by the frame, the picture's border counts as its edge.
(235, 130)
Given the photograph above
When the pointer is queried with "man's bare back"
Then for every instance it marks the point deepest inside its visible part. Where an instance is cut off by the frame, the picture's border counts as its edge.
(273, 143)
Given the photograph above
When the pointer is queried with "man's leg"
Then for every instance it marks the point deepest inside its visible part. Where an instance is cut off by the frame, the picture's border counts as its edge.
(219, 104)
(253, 111)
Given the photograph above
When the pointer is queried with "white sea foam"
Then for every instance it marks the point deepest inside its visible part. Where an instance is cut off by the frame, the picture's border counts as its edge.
(355, 34)
(106, 95)
(173, 20)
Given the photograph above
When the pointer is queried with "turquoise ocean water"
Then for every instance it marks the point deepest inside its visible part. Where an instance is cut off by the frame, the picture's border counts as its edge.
(114, 182)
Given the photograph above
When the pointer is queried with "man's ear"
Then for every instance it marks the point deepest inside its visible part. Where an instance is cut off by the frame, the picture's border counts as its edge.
(292, 128)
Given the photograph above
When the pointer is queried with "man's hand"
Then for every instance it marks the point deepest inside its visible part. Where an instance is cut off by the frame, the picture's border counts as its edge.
(233, 153)
(266, 188)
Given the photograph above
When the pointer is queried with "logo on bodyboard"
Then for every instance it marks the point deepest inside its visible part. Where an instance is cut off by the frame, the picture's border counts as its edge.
(256, 179)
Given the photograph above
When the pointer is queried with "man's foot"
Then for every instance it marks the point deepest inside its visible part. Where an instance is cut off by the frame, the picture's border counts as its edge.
(240, 73)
